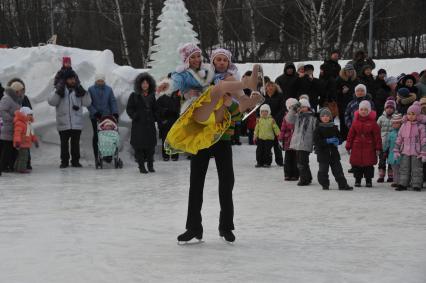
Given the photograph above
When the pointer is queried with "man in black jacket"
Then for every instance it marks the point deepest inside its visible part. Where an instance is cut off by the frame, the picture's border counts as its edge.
(287, 81)
(310, 86)
(331, 66)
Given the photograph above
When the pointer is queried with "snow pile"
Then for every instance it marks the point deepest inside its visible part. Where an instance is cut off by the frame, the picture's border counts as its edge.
(37, 66)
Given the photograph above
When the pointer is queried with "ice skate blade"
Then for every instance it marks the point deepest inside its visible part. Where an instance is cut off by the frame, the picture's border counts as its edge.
(189, 243)
(229, 243)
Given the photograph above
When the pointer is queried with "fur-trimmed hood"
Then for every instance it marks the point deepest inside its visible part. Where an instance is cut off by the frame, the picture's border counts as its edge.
(343, 76)
(144, 77)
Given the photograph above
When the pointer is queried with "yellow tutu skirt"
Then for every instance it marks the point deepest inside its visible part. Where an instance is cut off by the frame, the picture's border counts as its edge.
(188, 135)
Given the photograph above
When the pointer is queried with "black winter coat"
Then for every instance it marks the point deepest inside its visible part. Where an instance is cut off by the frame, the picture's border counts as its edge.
(1, 91)
(343, 99)
(311, 87)
(331, 69)
(359, 64)
(168, 110)
(370, 83)
(326, 152)
(287, 83)
(277, 104)
(381, 95)
(142, 110)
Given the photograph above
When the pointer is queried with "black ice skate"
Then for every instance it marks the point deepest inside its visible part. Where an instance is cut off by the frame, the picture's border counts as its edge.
(185, 238)
(227, 236)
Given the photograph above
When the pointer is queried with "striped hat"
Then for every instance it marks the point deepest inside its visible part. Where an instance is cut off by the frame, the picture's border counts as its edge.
(396, 118)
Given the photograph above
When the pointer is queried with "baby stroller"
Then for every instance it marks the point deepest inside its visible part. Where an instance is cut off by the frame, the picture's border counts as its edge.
(108, 142)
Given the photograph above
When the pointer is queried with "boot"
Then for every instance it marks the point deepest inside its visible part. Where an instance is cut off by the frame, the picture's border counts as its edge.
(227, 235)
(381, 178)
(346, 188)
(358, 182)
(151, 166)
(368, 183)
(401, 188)
(142, 168)
(190, 234)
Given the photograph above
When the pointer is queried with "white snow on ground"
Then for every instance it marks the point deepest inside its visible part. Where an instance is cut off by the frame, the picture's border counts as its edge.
(87, 225)
(84, 225)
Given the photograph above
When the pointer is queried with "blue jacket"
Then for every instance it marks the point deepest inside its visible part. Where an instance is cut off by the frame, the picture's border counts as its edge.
(103, 101)
(353, 106)
(390, 145)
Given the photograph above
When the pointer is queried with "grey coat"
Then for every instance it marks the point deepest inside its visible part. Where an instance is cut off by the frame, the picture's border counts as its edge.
(421, 86)
(66, 117)
(304, 126)
(9, 103)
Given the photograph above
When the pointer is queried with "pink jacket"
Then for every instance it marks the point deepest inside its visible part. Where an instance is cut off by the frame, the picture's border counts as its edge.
(287, 130)
(411, 139)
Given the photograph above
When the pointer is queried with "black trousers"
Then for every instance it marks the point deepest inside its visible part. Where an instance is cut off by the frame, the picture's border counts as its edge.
(278, 153)
(263, 152)
(303, 165)
(250, 135)
(366, 172)
(336, 169)
(222, 152)
(67, 136)
(290, 164)
(95, 137)
(343, 129)
(8, 156)
(144, 155)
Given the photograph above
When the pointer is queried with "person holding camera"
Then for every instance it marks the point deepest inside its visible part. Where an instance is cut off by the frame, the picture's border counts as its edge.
(103, 104)
(69, 117)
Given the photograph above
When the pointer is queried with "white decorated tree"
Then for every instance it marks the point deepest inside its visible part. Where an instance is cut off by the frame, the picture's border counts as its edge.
(173, 30)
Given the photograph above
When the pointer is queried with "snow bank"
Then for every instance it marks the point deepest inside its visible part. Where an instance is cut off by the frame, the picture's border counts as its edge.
(37, 66)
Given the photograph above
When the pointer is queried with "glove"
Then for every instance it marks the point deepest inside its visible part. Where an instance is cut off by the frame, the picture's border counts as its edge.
(98, 115)
(17, 145)
(115, 116)
(80, 91)
(60, 91)
(334, 141)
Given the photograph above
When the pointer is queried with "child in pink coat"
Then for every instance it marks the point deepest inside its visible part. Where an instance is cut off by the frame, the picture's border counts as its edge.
(411, 146)
(291, 173)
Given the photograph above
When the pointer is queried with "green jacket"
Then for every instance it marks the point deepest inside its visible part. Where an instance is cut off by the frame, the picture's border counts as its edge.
(266, 129)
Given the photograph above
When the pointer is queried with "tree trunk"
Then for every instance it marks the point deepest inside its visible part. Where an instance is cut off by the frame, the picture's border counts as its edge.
(123, 34)
(252, 31)
(219, 22)
(142, 33)
(356, 26)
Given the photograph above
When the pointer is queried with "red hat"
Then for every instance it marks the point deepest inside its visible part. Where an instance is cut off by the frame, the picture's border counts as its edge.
(66, 60)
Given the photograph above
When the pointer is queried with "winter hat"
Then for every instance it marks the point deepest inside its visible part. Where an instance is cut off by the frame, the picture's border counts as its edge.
(365, 104)
(290, 102)
(349, 67)
(390, 102)
(396, 118)
(66, 60)
(300, 66)
(304, 96)
(304, 103)
(99, 77)
(186, 51)
(361, 86)
(415, 108)
(17, 86)
(265, 107)
(391, 80)
(326, 112)
(26, 110)
(308, 67)
(381, 71)
(404, 92)
(232, 69)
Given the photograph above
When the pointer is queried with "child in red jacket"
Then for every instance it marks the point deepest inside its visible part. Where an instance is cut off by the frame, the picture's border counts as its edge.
(364, 144)
(23, 137)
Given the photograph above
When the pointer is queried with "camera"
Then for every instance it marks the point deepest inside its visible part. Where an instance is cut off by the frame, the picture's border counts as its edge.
(75, 108)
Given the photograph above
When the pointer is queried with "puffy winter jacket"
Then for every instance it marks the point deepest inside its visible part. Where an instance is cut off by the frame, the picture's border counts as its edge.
(353, 106)
(421, 86)
(9, 103)
(411, 139)
(103, 101)
(266, 129)
(385, 124)
(23, 133)
(287, 130)
(67, 117)
(304, 126)
(364, 140)
(389, 146)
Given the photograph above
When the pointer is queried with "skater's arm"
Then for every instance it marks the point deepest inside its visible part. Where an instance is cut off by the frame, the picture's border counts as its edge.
(54, 99)
(86, 100)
